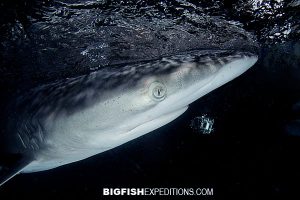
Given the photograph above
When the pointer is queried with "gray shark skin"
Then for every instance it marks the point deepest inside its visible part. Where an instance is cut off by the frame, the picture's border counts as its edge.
(135, 75)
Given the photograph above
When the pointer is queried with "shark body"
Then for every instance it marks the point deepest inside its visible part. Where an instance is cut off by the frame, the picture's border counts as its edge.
(71, 119)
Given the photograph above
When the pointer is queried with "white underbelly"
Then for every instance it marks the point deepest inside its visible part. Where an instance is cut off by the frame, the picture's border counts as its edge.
(63, 150)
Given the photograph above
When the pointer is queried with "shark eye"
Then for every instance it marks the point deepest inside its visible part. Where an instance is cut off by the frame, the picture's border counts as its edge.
(157, 91)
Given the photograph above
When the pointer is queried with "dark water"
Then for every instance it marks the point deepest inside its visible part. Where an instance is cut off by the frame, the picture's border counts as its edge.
(253, 151)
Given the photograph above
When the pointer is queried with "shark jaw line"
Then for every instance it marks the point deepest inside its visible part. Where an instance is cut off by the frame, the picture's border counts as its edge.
(160, 121)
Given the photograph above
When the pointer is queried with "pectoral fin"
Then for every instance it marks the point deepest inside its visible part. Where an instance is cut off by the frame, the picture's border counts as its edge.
(11, 165)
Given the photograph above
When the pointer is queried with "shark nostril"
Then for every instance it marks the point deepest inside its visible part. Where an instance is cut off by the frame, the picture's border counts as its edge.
(157, 91)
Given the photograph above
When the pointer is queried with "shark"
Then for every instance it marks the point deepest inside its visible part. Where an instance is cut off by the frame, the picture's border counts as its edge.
(137, 91)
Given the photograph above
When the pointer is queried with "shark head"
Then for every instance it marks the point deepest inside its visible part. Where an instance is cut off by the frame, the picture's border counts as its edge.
(178, 81)
(159, 91)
